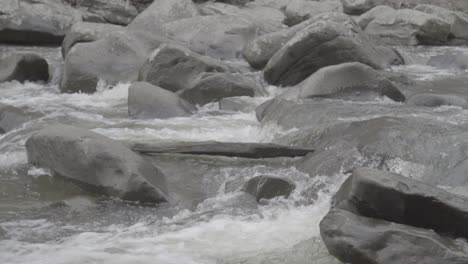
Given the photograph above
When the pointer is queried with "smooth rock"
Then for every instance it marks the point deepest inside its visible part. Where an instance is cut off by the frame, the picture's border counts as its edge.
(297, 11)
(212, 87)
(436, 100)
(323, 43)
(11, 118)
(23, 67)
(458, 20)
(268, 187)
(347, 81)
(96, 163)
(237, 104)
(120, 12)
(146, 101)
(450, 60)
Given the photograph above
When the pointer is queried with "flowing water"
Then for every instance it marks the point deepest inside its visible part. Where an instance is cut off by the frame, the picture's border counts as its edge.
(37, 226)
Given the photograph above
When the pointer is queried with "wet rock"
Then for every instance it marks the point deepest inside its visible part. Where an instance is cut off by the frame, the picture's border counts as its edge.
(146, 101)
(11, 118)
(176, 68)
(96, 163)
(436, 100)
(268, 187)
(23, 67)
(450, 60)
(87, 32)
(212, 87)
(218, 36)
(332, 42)
(394, 198)
(120, 12)
(348, 81)
(391, 55)
(161, 12)
(357, 239)
(388, 26)
(358, 7)
(297, 11)
(236, 104)
(214, 148)
(42, 22)
(115, 58)
(458, 20)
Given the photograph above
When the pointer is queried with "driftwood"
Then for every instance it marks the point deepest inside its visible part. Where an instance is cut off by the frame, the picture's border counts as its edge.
(228, 149)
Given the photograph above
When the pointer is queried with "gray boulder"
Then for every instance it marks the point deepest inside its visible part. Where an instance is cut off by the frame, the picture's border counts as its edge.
(176, 68)
(349, 81)
(388, 26)
(360, 240)
(146, 101)
(458, 20)
(323, 43)
(297, 11)
(120, 12)
(23, 67)
(11, 118)
(218, 36)
(212, 87)
(42, 22)
(268, 187)
(87, 32)
(436, 100)
(97, 163)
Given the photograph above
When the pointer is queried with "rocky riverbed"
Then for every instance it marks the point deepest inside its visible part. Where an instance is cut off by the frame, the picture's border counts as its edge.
(266, 131)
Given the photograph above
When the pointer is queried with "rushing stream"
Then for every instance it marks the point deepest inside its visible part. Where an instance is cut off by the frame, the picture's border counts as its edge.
(36, 227)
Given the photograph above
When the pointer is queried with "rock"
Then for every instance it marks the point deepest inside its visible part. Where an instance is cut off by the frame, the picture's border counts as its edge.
(222, 37)
(120, 12)
(391, 55)
(332, 42)
(176, 68)
(449, 60)
(10, 118)
(436, 100)
(212, 87)
(297, 11)
(268, 187)
(388, 26)
(146, 101)
(23, 67)
(260, 50)
(361, 240)
(87, 32)
(96, 163)
(161, 12)
(115, 58)
(236, 104)
(358, 7)
(214, 148)
(348, 81)
(458, 21)
(41, 22)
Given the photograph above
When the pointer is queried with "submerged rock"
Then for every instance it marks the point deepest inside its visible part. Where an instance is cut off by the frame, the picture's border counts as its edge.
(322, 43)
(268, 187)
(237, 104)
(23, 67)
(146, 101)
(450, 60)
(11, 118)
(436, 100)
(348, 81)
(96, 163)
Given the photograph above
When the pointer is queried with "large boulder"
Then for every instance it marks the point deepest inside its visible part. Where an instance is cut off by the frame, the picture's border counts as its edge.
(360, 240)
(96, 163)
(23, 67)
(176, 68)
(268, 187)
(218, 36)
(146, 101)
(297, 11)
(120, 12)
(212, 87)
(11, 118)
(115, 58)
(349, 81)
(87, 32)
(42, 22)
(388, 26)
(458, 20)
(323, 43)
